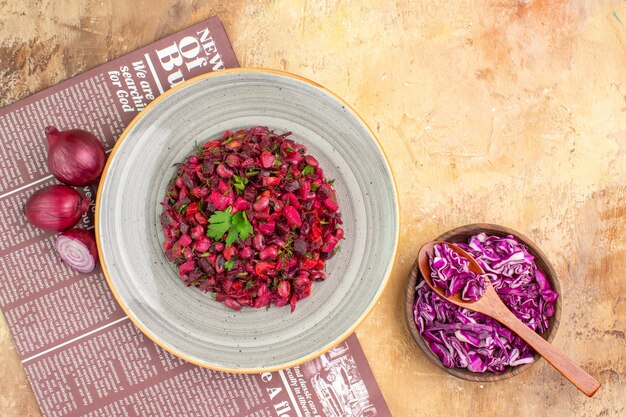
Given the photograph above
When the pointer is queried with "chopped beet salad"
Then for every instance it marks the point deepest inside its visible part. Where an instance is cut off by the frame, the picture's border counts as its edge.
(251, 219)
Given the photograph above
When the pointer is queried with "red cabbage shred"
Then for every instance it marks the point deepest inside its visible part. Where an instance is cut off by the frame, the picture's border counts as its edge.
(461, 338)
(269, 181)
(451, 272)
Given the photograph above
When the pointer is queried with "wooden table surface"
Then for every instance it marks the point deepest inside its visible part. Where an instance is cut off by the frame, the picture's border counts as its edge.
(508, 112)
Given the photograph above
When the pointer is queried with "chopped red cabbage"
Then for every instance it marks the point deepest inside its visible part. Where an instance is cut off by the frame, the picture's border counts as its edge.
(461, 338)
(451, 272)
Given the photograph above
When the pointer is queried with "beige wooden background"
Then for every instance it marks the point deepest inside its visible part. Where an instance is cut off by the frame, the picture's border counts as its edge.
(510, 112)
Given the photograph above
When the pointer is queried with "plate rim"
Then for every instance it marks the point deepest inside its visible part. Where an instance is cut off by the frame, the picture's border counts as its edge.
(154, 337)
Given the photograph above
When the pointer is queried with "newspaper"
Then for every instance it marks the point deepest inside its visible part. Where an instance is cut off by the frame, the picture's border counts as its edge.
(82, 355)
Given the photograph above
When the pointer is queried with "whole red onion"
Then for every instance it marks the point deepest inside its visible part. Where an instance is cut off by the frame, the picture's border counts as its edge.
(56, 208)
(77, 249)
(75, 157)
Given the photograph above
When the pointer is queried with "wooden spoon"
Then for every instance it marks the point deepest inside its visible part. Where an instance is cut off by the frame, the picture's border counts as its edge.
(491, 305)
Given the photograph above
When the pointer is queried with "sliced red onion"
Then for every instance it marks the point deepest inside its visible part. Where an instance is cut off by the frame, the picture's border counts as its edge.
(56, 208)
(77, 249)
(75, 157)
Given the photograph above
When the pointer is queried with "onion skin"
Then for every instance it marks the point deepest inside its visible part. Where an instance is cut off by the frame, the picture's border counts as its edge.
(77, 249)
(75, 157)
(56, 208)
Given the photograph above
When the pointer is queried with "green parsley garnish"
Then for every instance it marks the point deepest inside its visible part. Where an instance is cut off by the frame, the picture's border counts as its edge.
(237, 226)
(252, 171)
(287, 250)
(249, 283)
(315, 186)
(240, 183)
(228, 265)
(308, 170)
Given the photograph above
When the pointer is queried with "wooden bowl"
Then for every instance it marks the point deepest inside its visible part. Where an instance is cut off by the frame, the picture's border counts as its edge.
(462, 234)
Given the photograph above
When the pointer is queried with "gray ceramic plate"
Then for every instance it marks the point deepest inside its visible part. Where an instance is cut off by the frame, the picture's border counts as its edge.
(187, 322)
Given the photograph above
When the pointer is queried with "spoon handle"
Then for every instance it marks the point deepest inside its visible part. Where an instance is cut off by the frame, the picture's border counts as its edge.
(567, 367)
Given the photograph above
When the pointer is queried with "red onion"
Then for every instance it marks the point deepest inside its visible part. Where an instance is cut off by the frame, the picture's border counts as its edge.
(75, 157)
(56, 208)
(77, 249)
